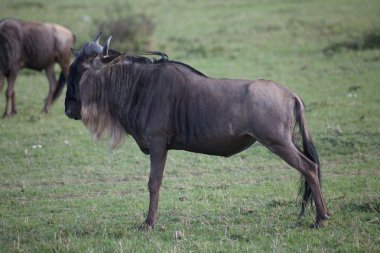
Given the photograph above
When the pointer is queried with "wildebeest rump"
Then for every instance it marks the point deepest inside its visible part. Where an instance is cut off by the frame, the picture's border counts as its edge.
(167, 105)
(37, 46)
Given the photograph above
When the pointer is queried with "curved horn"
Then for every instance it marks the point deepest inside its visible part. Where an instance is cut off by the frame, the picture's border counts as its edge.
(93, 47)
(97, 38)
(107, 46)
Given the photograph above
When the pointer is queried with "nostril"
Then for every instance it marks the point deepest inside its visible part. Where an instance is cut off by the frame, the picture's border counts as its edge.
(67, 111)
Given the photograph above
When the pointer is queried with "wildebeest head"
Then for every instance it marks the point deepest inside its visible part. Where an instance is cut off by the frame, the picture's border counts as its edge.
(84, 59)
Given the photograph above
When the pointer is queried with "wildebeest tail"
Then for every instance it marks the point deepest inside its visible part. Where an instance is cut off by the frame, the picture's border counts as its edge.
(60, 85)
(62, 79)
(74, 38)
(309, 150)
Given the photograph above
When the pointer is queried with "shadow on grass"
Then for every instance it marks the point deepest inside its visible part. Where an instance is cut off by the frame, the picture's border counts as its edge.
(368, 41)
(365, 207)
(349, 143)
(281, 203)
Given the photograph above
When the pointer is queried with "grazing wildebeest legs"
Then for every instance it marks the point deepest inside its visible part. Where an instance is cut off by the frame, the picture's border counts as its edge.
(52, 86)
(158, 153)
(10, 106)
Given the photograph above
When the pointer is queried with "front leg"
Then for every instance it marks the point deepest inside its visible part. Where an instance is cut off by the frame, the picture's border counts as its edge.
(10, 106)
(158, 152)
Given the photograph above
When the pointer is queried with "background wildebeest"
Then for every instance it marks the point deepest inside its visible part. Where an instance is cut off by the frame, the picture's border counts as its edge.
(36, 46)
(167, 105)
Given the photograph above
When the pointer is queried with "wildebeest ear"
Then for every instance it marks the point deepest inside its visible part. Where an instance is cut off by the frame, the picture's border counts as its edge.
(75, 52)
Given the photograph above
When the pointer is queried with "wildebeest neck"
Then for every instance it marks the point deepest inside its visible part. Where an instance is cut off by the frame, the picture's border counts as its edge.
(123, 96)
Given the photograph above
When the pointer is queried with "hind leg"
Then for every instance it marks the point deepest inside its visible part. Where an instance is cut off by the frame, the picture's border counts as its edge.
(290, 154)
(52, 87)
(65, 65)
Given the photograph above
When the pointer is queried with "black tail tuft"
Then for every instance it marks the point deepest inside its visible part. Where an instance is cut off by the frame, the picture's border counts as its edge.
(309, 151)
(61, 84)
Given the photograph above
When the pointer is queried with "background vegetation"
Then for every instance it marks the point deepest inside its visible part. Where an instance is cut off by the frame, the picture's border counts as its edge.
(130, 32)
(61, 192)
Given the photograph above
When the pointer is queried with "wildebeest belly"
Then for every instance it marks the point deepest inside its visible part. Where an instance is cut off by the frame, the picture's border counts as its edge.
(227, 146)
(213, 119)
(39, 63)
(41, 56)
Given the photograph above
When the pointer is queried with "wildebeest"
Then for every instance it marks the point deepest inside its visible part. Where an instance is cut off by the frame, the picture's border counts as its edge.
(166, 104)
(37, 46)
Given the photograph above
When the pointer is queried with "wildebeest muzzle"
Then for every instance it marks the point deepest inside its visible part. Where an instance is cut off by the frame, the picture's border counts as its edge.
(73, 109)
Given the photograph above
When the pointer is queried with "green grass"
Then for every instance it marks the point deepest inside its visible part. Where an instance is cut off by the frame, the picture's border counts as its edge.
(73, 195)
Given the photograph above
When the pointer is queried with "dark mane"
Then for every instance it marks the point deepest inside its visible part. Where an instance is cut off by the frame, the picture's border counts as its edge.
(164, 58)
(189, 67)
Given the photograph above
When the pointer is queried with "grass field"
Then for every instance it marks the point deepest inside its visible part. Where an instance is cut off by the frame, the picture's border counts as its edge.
(62, 192)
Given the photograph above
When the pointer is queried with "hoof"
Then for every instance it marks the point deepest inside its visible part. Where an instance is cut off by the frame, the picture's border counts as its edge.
(326, 216)
(321, 222)
(9, 115)
(146, 227)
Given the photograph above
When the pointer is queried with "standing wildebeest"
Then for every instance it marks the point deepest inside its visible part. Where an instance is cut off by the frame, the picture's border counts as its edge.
(167, 105)
(36, 46)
